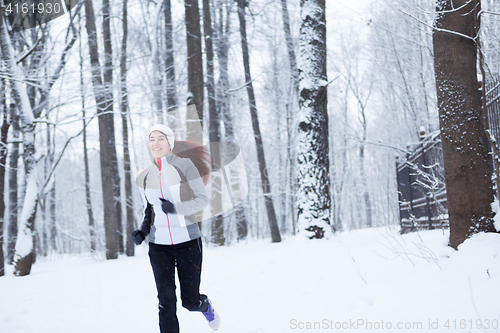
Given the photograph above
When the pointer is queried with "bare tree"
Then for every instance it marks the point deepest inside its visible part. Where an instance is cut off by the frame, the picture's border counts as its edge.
(130, 247)
(4, 130)
(12, 229)
(195, 69)
(157, 73)
(294, 76)
(289, 46)
(109, 168)
(108, 88)
(170, 57)
(468, 177)
(214, 127)
(266, 188)
(25, 250)
(222, 33)
(88, 197)
(314, 206)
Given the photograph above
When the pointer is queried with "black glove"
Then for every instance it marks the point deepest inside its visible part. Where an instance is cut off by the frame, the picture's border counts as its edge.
(138, 237)
(167, 206)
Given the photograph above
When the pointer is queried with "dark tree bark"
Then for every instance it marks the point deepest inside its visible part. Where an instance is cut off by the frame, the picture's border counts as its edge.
(222, 32)
(108, 87)
(109, 169)
(266, 187)
(295, 81)
(4, 130)
(214, 121)
(88, 199)
(52, 217)
(214, 127)
(12, 228)
(195, 69)
(291, 170)
(468, 177)
(364, 180)
(157, 73)
(169, 59)
(289, 46)
(130, 246)
(49, 199)
(313, 183)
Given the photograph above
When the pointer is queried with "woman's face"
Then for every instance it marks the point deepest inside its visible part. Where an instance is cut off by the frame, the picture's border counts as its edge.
(158, 144)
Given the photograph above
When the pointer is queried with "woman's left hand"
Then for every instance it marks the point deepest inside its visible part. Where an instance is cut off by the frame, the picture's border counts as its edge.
(167, 206)
(138, 237)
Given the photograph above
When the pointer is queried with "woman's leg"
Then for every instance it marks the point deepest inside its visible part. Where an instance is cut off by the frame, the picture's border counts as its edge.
(189, 258)
(163, 264)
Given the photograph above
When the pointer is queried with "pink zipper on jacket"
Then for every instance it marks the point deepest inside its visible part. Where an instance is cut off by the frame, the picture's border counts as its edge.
(161, 191)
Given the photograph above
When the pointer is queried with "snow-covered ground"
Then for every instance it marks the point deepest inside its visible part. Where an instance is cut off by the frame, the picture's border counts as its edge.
(360, 281)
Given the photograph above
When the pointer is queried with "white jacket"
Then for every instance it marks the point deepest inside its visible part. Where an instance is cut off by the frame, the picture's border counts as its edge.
(166, 182)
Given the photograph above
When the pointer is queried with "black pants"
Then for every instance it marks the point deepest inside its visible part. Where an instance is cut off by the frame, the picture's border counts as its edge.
(187, 257)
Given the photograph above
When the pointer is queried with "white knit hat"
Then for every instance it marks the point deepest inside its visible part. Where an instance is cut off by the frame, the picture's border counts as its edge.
(165, 130)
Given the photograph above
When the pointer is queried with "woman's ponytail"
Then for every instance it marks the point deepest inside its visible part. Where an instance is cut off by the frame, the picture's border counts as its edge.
(198, 154)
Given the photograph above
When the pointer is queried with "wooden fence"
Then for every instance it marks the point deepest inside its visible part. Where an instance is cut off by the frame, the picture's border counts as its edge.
(421, 187)
(420, 175)
(493, 106)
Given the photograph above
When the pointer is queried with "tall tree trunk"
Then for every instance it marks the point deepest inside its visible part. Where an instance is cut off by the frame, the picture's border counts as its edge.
(25, 249)
(266, 188)
(51, 197)
(52, 217)
(281, 109)
(467, 174)
(291, 170)
(314, 206)
(108, 88)
(130, 247)
(4, 130)
(157, 74)
(292, 58)
(169, 58)
(289, 46)
(109, 169)
(213, 129)
(364, 180)
(12, 230)
(223, 32)
(362, 172)
(88, 198)
(195, 71)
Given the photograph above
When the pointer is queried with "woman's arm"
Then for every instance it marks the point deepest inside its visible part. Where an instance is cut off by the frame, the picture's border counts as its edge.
(148, 219)
(200, 198)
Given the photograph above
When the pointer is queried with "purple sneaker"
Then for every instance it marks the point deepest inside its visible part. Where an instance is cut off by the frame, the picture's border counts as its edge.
(212, 316)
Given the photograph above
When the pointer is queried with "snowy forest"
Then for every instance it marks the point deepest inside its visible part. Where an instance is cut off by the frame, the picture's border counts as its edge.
(320, 100)
(311, 110)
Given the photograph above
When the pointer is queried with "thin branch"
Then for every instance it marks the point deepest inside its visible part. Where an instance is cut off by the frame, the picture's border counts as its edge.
(439, 29)
(47, 181)
(404, 151)
(487, 12)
